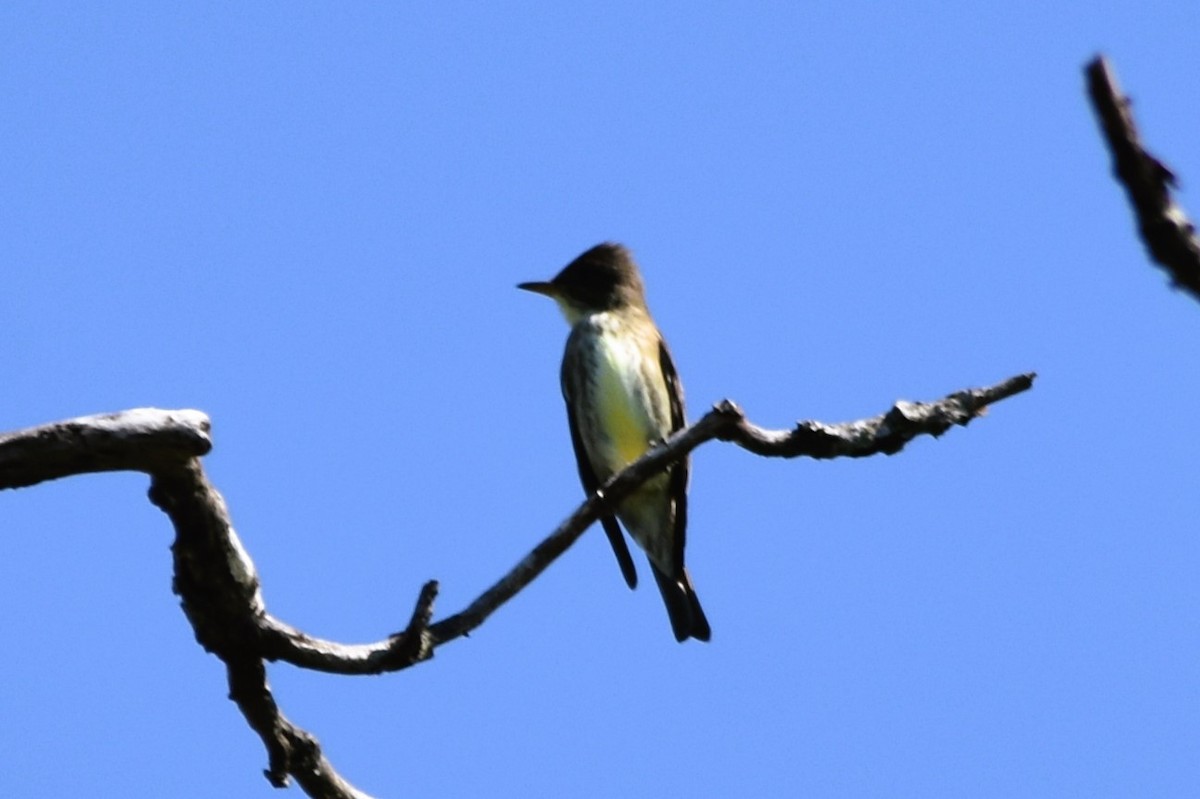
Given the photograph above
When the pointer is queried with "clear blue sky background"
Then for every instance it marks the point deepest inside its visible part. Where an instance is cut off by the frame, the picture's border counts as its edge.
(308, 222)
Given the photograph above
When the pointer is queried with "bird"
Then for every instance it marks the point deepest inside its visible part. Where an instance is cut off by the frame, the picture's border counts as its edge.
(623, 396)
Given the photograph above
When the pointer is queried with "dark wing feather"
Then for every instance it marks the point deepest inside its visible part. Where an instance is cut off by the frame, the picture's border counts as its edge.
(679, 472)
(586, 476)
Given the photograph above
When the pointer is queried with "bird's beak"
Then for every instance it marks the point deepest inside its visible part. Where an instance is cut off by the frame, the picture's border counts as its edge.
(540, 287)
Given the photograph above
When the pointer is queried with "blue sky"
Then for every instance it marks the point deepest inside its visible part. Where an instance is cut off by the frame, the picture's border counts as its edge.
(308, 222)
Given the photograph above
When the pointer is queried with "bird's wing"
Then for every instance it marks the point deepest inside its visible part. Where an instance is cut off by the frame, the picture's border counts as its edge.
(679, 472)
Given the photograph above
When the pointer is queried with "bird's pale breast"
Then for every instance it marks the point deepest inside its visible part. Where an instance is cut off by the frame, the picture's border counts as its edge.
(621, 406)
(630, 396)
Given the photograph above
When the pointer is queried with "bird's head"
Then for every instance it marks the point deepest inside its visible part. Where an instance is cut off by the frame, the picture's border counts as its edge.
(604, 278)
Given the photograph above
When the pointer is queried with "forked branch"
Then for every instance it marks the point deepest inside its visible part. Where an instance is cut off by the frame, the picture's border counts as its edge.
(219, 587)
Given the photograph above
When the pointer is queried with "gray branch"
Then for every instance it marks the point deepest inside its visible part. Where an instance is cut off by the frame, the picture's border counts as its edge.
(139, 440)
(1168, 234)
(219, 587)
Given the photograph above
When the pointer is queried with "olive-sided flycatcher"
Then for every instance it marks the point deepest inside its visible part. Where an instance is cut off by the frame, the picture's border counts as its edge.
(623, 397)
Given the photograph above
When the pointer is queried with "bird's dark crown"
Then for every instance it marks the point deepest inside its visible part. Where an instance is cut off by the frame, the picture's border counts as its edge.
(602, 278)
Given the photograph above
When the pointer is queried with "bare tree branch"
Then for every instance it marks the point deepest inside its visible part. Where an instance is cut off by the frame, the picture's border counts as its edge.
(885, 434)
(1168, 234)
(138, 440)
(214, 575)
(219, 587)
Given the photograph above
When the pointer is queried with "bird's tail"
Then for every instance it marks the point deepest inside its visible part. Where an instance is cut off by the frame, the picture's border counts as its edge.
(683, 606)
